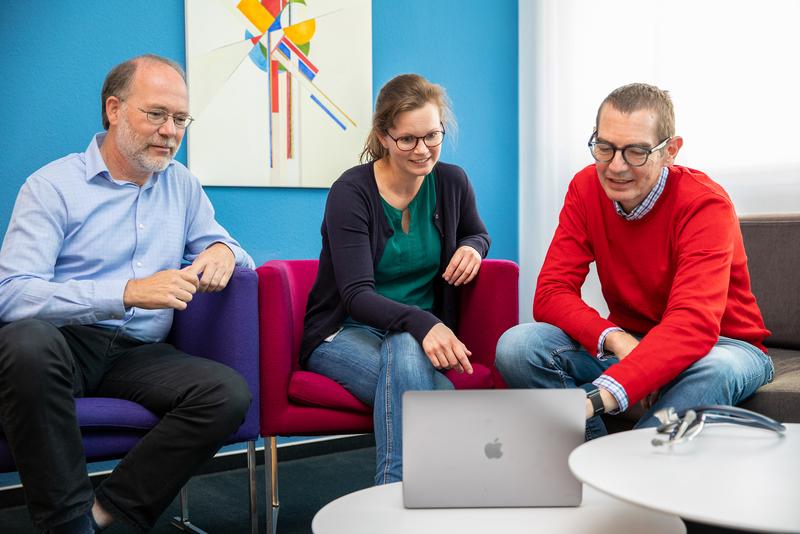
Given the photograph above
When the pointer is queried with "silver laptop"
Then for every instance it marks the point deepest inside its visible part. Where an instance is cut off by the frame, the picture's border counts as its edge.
(487, 448)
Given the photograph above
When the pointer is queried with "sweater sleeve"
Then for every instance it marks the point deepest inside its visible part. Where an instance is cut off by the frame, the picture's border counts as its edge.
(690, 325)
(557, 300)
(347, 219)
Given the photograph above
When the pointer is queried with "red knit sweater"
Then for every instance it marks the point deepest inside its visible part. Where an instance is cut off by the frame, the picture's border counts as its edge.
(678, 276)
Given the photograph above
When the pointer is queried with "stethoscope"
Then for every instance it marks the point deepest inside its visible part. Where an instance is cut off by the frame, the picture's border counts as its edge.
(684, 426)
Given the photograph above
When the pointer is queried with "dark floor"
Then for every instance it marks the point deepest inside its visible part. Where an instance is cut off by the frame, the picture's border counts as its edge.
(218, 502)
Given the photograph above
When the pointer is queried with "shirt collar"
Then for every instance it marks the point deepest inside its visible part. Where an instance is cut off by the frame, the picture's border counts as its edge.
(646, 205)
(96, 166)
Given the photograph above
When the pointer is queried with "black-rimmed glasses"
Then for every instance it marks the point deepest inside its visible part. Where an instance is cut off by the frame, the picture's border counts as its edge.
(634, 155)
(159, 117)
(410, 142)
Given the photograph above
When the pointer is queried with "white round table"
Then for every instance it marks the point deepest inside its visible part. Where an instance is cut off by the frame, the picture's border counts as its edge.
(380, 509)
(729, 476)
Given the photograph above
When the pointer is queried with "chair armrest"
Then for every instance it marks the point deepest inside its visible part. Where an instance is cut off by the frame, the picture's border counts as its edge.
(283, 287)
(223, 327)
(489, 307)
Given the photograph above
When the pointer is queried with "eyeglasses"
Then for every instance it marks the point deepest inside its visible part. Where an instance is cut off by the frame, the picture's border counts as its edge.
(685, 426)
(635, 156)
(410, 142)
(159, 116)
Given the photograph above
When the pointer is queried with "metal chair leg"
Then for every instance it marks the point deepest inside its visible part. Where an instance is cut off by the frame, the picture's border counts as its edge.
(182, 522)
(251, 476)
(271, 473)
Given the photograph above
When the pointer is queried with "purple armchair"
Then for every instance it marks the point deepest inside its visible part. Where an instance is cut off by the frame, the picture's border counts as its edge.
(298, 402)
(220, 326)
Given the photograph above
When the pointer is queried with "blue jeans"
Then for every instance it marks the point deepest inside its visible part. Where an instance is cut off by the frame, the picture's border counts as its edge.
(540, 355)
(377, 367)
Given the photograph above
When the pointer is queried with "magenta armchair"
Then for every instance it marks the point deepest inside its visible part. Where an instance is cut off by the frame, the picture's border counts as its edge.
(298, 402)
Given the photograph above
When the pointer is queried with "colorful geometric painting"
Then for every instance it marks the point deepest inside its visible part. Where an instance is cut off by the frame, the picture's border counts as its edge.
(281, 90)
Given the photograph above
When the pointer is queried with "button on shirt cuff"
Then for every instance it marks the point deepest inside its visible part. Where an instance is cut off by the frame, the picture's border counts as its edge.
(616, 390)
(108, 299)
(602, 353)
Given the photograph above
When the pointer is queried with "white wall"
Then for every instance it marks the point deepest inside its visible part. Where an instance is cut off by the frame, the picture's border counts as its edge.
(732, 68)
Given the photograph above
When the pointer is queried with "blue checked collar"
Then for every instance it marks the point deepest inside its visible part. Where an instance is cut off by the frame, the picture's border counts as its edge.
(649, 201)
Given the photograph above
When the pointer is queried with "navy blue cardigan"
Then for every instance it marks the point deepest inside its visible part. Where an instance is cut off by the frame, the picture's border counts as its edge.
(354, 234)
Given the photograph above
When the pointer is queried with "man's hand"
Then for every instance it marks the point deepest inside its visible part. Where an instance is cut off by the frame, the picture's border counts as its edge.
(650, 399)
(620, 343)
(463, 266)
(214, 266)
(165, 289)
(445, 351)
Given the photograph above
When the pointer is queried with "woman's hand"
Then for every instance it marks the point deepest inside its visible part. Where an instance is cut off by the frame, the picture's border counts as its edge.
(445, 351)
(463, 266)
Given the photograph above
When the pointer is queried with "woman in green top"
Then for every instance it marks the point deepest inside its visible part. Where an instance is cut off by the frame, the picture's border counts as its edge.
(401, 232)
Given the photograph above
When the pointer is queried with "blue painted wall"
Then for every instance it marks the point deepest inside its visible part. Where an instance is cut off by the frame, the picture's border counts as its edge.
(54, 56)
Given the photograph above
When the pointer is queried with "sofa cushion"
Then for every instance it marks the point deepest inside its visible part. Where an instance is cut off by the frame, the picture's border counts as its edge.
(780, 399)
(313, 389)
(104, 413)
(481, 378)
(773, 259)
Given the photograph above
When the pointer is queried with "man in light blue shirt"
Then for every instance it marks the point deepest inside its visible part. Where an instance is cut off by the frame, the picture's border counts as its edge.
(90, 274)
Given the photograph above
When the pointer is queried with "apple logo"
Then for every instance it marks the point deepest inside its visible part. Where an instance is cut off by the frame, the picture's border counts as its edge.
(493, 449)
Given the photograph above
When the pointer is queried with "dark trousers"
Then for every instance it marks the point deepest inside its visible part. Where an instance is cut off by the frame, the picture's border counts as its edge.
(43, 368)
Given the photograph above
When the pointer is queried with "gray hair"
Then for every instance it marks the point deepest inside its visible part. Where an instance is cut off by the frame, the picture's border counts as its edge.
(637, 96)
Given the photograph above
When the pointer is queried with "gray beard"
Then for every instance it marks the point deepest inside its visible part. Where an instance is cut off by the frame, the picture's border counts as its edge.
(127, 143)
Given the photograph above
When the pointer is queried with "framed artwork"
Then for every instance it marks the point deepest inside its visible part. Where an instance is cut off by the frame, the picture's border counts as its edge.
(281, 90)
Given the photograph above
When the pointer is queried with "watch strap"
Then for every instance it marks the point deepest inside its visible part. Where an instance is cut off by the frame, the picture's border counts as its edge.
(593, 394)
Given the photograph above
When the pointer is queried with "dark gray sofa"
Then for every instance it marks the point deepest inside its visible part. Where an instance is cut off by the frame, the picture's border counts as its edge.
(772, 243)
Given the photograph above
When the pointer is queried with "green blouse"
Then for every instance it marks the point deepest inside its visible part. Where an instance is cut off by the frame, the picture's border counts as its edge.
(410, 261)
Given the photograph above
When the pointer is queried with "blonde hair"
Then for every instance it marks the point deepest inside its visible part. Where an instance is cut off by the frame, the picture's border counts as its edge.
(406, 92)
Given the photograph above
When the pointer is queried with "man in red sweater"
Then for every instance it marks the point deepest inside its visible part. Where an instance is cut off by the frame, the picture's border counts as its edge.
(684, 328)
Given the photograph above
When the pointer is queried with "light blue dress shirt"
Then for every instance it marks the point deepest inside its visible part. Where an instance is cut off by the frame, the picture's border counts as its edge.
(77, 235)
